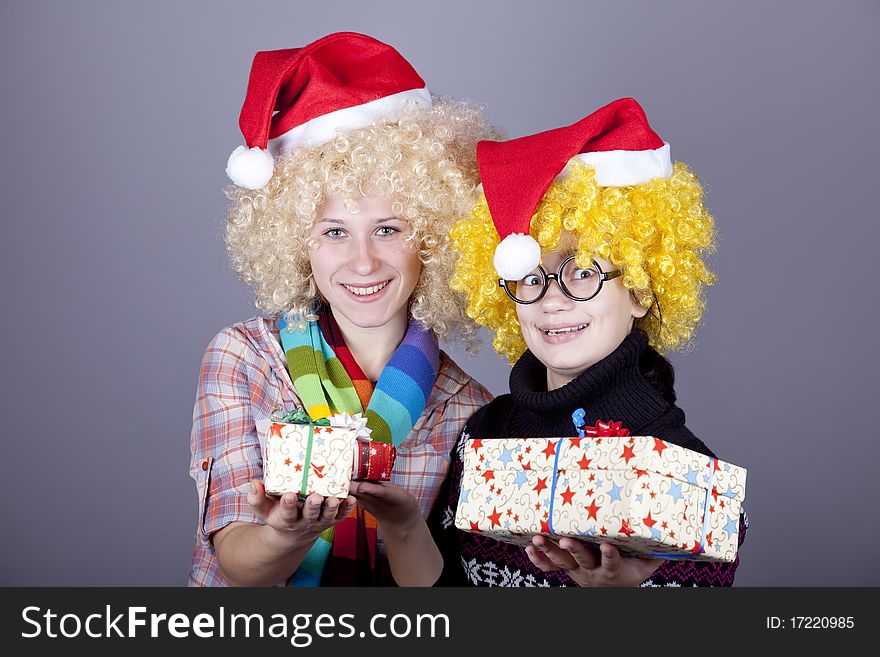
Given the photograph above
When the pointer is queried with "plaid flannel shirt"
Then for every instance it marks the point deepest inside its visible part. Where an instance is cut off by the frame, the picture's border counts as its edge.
(243, 379)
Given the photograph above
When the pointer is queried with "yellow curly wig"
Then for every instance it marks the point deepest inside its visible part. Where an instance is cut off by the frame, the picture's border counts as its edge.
(656, 233)
(425, 163)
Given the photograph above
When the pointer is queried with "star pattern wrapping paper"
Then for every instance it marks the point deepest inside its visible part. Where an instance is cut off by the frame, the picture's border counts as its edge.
(328, 469)
(640, 493)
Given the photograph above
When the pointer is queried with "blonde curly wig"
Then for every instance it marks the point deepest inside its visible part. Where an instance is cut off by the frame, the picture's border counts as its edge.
(425, 163)
(656, 233)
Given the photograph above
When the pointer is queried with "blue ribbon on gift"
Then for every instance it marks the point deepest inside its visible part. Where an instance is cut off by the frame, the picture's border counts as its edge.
(578, 418)
(553, 485)
(709, 486)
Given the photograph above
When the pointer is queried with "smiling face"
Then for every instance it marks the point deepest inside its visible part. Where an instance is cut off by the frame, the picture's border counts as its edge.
(569, 336)
(362, 263)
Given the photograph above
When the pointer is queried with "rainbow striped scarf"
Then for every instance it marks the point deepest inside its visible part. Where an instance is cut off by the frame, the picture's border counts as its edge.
(328, 380)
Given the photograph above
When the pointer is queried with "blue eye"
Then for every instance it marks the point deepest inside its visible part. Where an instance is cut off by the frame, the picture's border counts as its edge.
(334, 233)
(384, 231)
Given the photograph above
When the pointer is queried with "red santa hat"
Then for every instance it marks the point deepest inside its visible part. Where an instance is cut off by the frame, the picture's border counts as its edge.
(303, 96)
(615, 140)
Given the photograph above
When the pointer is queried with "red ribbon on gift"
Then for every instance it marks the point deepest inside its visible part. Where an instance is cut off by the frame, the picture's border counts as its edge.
(607, 429)
(373, 460)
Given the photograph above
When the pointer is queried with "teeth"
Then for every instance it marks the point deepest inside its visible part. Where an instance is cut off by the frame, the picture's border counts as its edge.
(571, 329)
(364, 291)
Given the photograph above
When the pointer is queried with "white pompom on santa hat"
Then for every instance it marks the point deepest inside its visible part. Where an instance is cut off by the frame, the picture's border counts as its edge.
(615, 140)
(301, 97)
(251, 168)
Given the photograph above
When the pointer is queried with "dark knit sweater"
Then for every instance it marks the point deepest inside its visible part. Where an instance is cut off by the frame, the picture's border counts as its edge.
(611, 390)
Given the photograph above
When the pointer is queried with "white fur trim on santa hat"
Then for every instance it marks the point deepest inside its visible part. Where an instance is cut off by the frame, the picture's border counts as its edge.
(618, 168)
(250, 167)
(516, 256)
(323, 128)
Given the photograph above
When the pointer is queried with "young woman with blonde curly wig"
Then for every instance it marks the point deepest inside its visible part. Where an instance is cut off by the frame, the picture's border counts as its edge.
(600, 269)
(344, 195)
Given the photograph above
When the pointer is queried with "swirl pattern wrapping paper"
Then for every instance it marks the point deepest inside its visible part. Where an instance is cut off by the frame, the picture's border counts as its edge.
(640, 493)
(327, 468)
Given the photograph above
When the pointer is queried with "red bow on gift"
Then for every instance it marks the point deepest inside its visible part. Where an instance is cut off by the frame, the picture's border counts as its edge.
(606, 429)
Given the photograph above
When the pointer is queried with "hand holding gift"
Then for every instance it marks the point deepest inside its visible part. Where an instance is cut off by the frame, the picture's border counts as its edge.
(412, 554)
(290, 515)
(307, 470)
(588, 565)
(392, 506)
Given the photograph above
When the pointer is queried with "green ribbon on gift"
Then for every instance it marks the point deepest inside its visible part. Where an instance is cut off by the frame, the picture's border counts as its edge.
(299, 416)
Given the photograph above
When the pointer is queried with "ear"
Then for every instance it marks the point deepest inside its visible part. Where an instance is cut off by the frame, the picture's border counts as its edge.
(636, 309)
(313, 291)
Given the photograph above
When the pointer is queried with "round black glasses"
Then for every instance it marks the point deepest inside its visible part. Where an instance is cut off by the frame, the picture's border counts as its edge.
(577, 283)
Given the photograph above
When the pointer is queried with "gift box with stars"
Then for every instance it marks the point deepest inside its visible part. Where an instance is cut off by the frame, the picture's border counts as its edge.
(322, 456)
(304, 459)
(640, 493)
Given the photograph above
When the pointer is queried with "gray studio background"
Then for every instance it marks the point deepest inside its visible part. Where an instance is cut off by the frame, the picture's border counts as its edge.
(117, 119)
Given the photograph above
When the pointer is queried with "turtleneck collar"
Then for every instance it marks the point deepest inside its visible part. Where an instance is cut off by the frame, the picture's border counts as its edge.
(611, 390)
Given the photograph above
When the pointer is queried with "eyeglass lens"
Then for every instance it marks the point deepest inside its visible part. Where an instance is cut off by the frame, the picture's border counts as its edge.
(578, 282)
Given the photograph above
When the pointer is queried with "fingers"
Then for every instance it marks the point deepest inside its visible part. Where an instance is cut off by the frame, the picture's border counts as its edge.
(626, 571)
(259, 501)
(368, 496)
(377, 490)
(388, 502)
(537, 557)
(332, 511)
(345, 507)
(315, 513)
(589, 565)
(311, 508)
(288, 511)
(611, 559)
(585, 556)
(559, 558)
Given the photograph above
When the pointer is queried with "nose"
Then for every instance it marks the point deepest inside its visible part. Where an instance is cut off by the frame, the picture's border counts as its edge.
(365, 259)
(554, 300)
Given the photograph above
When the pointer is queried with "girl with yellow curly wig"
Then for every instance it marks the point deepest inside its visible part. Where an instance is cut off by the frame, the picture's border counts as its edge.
(584, 257)
(351, 178)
